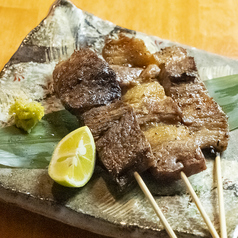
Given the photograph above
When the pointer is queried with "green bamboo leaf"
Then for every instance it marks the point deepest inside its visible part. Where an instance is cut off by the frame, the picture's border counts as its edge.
(224, 90)
(22, 150)
(34, 150)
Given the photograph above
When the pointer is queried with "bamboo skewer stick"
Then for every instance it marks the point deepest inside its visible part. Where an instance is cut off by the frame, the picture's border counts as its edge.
(222, 215)
(199, 206)
(154, 205)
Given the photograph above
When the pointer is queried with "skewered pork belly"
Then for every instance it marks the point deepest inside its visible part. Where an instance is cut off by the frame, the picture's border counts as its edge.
(160, 120)
(205, 119)
(177, 68)
(145, 111)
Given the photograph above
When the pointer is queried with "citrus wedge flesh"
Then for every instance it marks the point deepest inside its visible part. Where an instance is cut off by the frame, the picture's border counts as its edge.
(72, 163)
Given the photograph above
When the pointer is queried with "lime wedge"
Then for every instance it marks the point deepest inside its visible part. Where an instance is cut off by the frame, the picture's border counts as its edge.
(73, 160)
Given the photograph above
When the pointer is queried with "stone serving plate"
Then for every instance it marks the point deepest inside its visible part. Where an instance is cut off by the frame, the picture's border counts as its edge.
(98, 206)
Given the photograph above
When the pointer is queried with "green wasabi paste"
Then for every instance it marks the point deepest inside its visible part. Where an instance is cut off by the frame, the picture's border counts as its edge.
(27, 113)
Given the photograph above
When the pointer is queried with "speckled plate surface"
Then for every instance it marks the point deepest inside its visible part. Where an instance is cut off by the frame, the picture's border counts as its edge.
(98, 207)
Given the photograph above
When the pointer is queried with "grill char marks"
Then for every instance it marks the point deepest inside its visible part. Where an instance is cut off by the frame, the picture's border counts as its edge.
(174, 149)
(201, 113)
(159, 127)
(121, 145)
(101, 119)
(205, 119)
(176, 67)
(85, 81)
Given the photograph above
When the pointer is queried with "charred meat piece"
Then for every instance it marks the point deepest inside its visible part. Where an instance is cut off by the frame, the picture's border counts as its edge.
(184, 70)
(152, 105)
(175, 64)
(127, 77)
(121, 145)
(85, 81)
(127, 51)
(201, 113)
(175, 150)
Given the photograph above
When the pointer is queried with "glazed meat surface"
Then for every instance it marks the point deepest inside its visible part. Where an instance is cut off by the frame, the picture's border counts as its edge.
(160, 118)
(85, 81)
(121, 145)
(175, 150)
(127, 51)
(205, 119)
(151, 104)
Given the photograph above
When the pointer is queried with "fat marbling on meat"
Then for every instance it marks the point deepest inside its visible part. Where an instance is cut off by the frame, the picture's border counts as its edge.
(160, 119)
(127, 51)
(151, 104)
(175, 150)
(203, 116)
